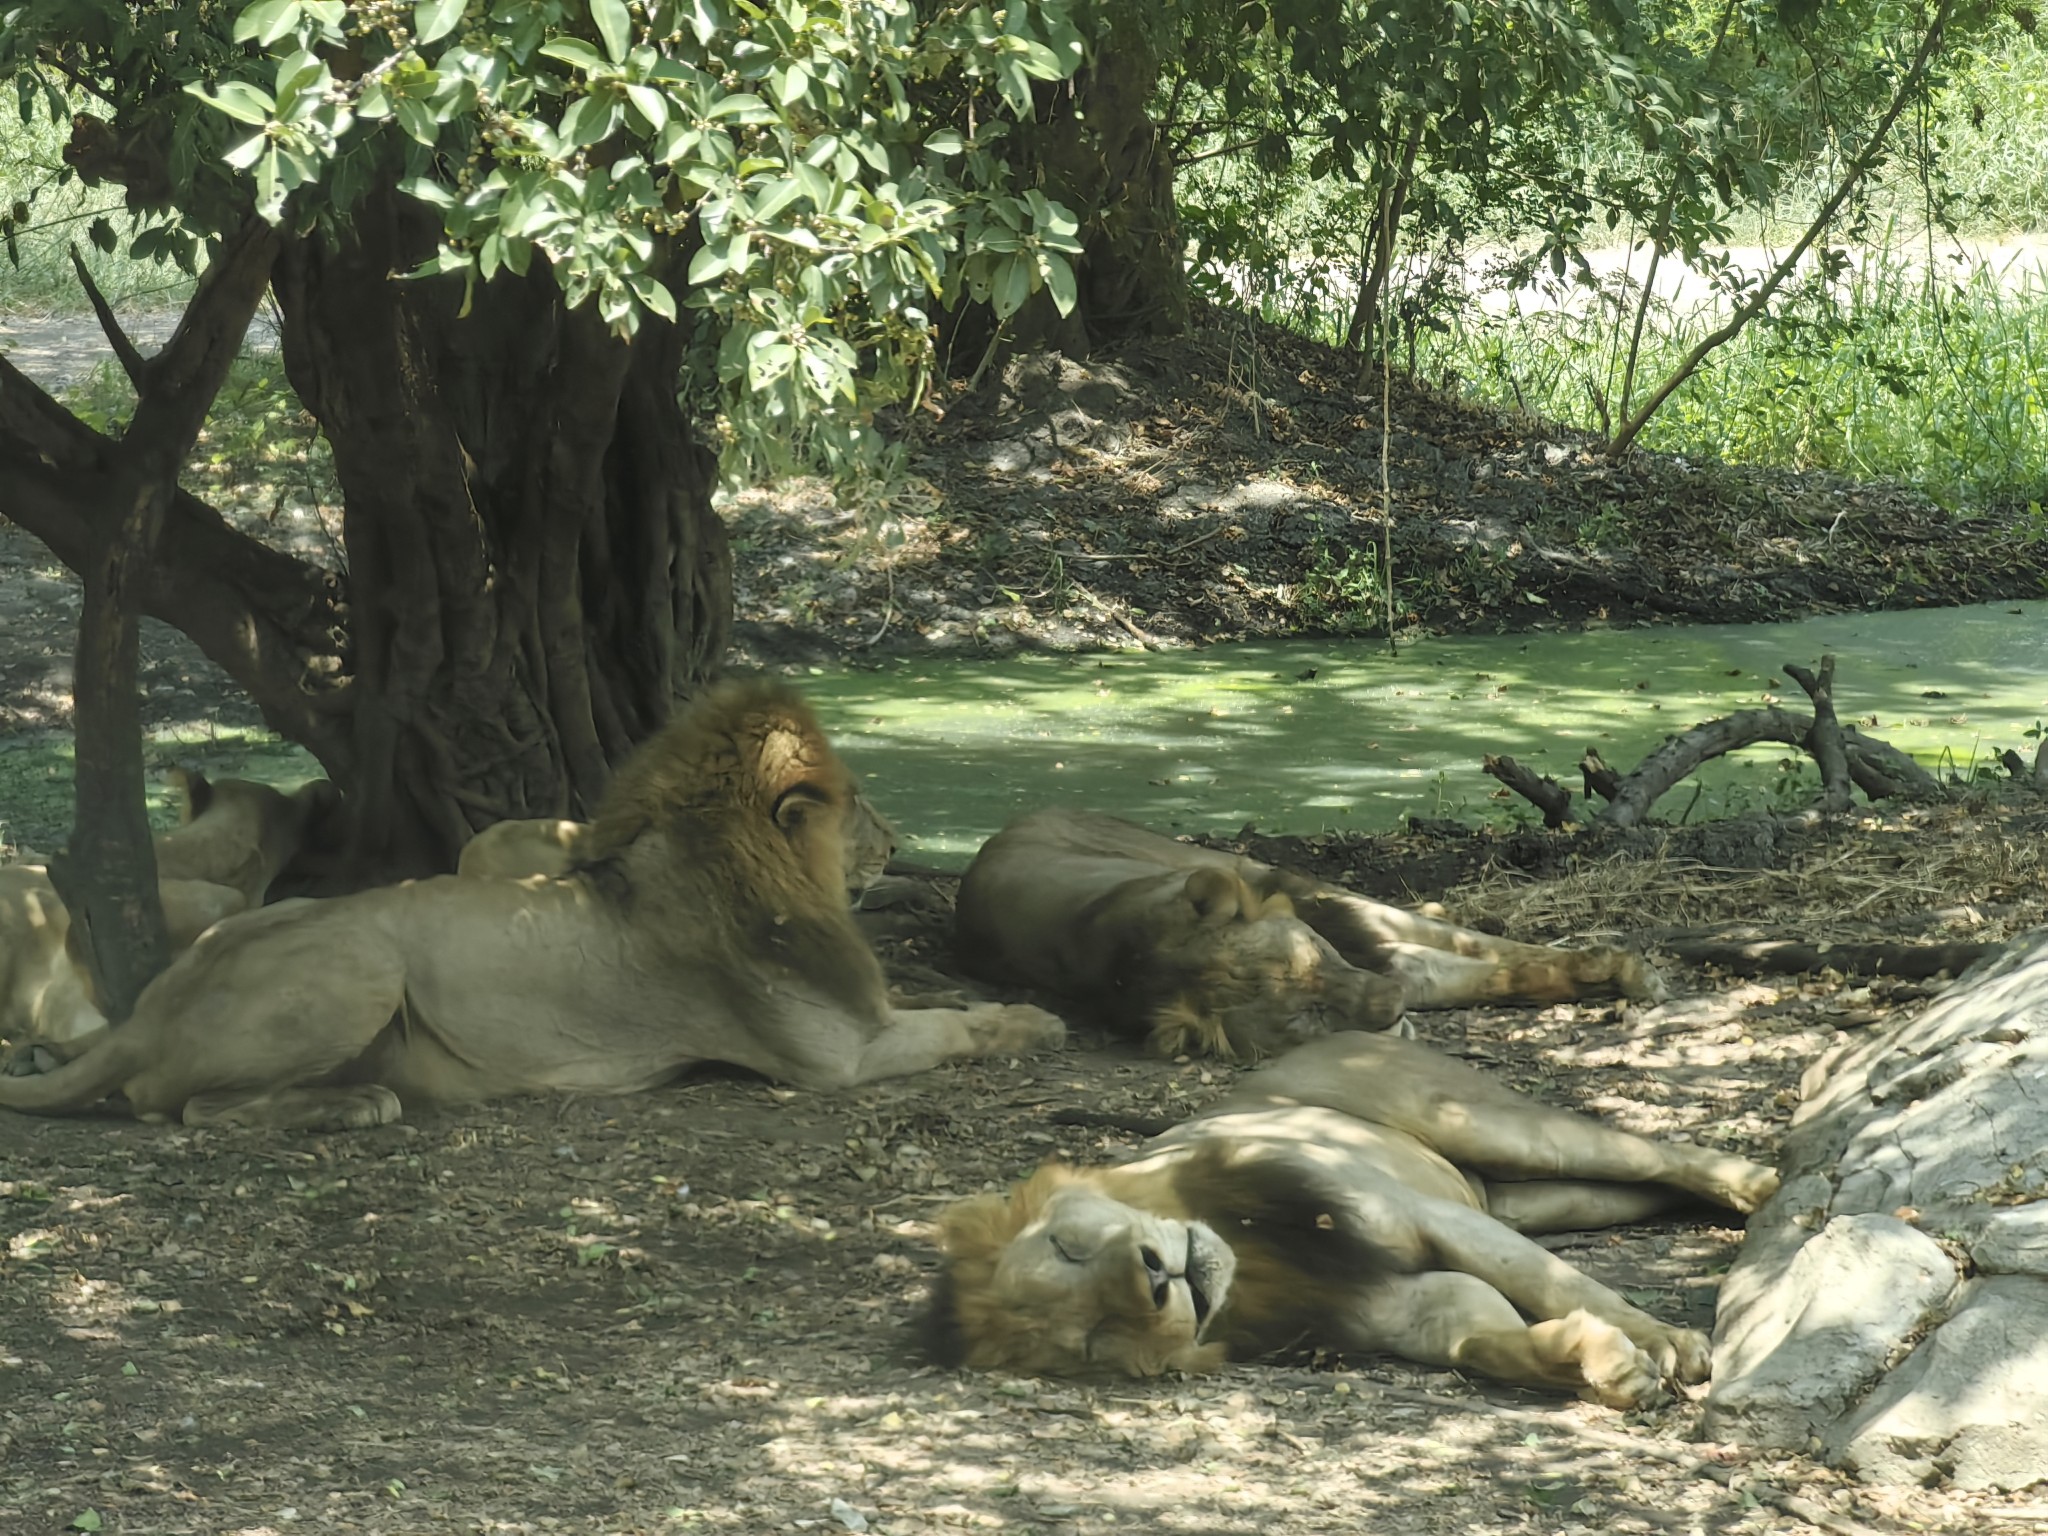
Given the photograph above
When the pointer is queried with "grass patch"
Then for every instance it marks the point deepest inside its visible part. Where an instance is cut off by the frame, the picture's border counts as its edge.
(1934, 377)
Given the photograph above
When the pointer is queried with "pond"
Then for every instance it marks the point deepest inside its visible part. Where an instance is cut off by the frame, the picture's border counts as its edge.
(1313, 735)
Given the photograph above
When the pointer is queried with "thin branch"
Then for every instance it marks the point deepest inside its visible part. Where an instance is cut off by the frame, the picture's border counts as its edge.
(1859, 168)
(133, 363)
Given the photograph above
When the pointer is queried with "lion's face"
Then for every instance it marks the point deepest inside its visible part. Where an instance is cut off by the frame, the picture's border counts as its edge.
(870, 845)
(1085, 1285)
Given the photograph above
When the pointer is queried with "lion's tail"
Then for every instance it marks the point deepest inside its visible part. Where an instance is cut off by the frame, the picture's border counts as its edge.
(82, 1082)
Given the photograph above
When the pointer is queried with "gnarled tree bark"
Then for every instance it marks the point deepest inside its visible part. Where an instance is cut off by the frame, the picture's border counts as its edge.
(535, 568)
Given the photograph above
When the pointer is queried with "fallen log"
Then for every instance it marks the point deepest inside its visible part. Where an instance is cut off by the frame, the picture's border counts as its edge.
(1846, 757)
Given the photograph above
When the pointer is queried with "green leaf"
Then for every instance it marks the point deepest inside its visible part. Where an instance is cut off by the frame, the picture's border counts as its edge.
(573, 51)
(242, 101)
(417, 121)
(746, 107)
(652, 294)
(267, 21)
(946, 141)
(1059, 281)
(791, 84)
(102, 235)
(1014, 84)
(650, 104)
(433, 20)
(707, 265)
(614, 25)
(1012, 287)
(767, 364)
(86, 1520)
(588, 119)
(244, 154)
(773, 198)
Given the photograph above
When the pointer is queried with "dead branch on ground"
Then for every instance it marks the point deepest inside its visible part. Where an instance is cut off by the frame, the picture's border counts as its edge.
(1845, 756)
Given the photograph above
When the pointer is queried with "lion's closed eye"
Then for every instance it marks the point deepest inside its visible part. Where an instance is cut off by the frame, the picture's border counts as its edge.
(1060, 1247)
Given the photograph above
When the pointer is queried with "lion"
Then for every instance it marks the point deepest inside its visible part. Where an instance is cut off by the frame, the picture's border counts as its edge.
(521, 849)
(1360, 1193)
(233, 839)
(1214, 954)
(703, 920)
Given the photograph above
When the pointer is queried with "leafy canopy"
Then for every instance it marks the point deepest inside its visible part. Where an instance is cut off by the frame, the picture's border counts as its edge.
(806, 172)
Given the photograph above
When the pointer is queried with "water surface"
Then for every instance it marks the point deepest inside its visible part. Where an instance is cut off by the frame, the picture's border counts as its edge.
(1207, 740)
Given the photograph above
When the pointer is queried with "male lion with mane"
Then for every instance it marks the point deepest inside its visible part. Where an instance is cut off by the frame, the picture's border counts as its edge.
(1224, 955)
(1360, 1193)
(703, 919)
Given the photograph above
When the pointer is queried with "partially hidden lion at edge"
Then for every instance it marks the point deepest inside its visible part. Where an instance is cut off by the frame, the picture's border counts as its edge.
(1212, 953)
(233, 839)
(704, 919)
(1360, 1193)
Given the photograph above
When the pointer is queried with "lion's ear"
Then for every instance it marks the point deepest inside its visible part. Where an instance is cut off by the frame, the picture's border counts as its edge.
(194, 793)
(1216, 894)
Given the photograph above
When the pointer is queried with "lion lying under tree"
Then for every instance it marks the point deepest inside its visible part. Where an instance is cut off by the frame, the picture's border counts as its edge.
(233, 838)
(704, 918)
(1220, 954)
(1360, 1193)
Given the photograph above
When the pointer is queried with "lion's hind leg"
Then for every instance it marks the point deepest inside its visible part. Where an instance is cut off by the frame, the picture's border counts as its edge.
(1458, 1320)
(356, 1107)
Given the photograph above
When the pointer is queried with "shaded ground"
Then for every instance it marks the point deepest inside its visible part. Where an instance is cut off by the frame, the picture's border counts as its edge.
(685, 1310)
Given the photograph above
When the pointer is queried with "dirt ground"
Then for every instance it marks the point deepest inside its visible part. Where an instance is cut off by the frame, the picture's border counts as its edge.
(689, 1309)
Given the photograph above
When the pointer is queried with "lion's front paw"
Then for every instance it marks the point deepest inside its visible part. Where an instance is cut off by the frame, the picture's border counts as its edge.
(1018, 1029)
(1618, 1373)
(31, 1060)
(1733, 1181)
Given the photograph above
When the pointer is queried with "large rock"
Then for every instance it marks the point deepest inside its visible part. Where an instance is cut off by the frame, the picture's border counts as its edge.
(1889, 1308)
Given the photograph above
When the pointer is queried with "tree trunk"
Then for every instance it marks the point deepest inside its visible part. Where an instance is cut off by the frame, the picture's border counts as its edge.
(106, 874)
(535, 568)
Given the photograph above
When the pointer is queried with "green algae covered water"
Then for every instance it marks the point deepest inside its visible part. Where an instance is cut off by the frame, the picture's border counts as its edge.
(1307, 736)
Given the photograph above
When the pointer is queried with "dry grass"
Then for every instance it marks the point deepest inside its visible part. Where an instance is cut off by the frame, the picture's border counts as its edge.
(1921, 872)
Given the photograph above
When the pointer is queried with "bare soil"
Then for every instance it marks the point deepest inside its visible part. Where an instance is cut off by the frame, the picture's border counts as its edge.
(689, 1309)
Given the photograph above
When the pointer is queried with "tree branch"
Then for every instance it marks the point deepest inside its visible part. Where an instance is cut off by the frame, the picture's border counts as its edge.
(132, 362)
(1824, 738)
(1747, 311)
(275, 624)
(1541, 791)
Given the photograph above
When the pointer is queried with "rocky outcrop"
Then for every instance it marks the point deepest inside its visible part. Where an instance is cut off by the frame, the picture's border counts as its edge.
(1889, 1309)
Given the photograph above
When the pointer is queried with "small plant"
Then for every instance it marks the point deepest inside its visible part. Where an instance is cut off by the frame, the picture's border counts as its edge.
(1344, 592)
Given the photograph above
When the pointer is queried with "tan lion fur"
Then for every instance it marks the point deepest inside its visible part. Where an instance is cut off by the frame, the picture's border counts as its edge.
(1360, 1193)
(521, 849)
(704, 920)
(233, 839)
(1208, 953)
